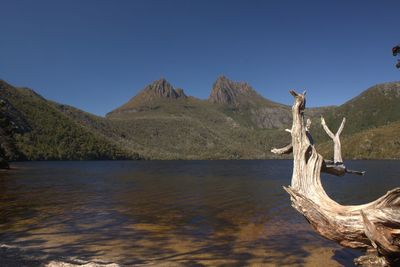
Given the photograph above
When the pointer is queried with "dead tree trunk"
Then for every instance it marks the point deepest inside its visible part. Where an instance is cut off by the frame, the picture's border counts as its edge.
(337, 148)
(374, 226)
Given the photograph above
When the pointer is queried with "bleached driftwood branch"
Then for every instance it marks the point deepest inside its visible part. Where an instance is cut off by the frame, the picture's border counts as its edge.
(374, 226)
(337, 149)
(336, 167)
(284, 150)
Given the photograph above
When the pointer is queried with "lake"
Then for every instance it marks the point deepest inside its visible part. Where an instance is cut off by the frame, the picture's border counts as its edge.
(172, 213)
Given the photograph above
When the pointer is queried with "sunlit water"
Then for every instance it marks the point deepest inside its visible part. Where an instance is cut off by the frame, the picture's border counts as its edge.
(219, 213)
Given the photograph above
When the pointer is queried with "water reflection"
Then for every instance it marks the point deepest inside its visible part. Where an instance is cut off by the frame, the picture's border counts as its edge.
(225, 213)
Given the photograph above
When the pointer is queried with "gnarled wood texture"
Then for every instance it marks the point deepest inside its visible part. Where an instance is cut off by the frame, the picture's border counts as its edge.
(374, 226)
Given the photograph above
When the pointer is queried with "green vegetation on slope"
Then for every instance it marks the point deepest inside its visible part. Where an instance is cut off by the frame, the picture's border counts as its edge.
(377, 143)
(377, 106)
(163, 123)
(47, 134)
(160, 123)
(6, 143)
(189, 129)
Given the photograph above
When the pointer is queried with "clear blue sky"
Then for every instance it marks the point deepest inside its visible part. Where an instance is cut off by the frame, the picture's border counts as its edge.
(95, 55)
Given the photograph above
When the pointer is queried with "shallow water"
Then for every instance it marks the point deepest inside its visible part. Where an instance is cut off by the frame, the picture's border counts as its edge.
(219, 213)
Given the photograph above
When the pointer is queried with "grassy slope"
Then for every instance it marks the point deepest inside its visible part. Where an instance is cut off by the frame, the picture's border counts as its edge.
(47, 133)
(378, 143)
(375, 107)
(189, 128)
(195, 129)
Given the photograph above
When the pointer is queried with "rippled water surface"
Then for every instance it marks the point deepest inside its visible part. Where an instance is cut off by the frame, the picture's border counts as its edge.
(218, 213)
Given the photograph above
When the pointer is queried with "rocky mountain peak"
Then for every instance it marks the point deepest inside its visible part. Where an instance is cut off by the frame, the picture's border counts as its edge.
(162, 88)
(226, 91)
(151, 96)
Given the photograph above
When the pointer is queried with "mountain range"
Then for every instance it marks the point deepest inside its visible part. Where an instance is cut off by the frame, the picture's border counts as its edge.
(163, 122)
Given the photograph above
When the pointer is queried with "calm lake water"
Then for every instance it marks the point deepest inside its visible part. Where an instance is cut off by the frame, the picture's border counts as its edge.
(218, 213)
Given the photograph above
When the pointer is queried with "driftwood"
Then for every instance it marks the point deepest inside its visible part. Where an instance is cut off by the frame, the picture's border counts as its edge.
(374, 226)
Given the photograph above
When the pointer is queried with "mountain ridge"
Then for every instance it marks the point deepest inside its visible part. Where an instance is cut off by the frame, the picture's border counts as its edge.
(226, 91)
(236, 99)
(165, 123)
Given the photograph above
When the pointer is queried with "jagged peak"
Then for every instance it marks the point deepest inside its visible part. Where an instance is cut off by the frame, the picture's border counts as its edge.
(162, 88)
(226, 91)
(152, 93)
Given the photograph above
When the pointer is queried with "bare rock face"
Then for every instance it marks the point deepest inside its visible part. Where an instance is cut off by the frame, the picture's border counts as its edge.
(162, 88)
(225, 91)
(271, 117)
(181, 93)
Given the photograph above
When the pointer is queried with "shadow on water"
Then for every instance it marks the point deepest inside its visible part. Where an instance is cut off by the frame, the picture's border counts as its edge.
(180, 213)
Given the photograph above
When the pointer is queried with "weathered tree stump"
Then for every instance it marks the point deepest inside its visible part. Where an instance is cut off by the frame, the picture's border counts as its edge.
(374, 226)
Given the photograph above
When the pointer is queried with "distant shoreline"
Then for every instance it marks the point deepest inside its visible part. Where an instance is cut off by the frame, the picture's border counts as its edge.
(165, 160)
